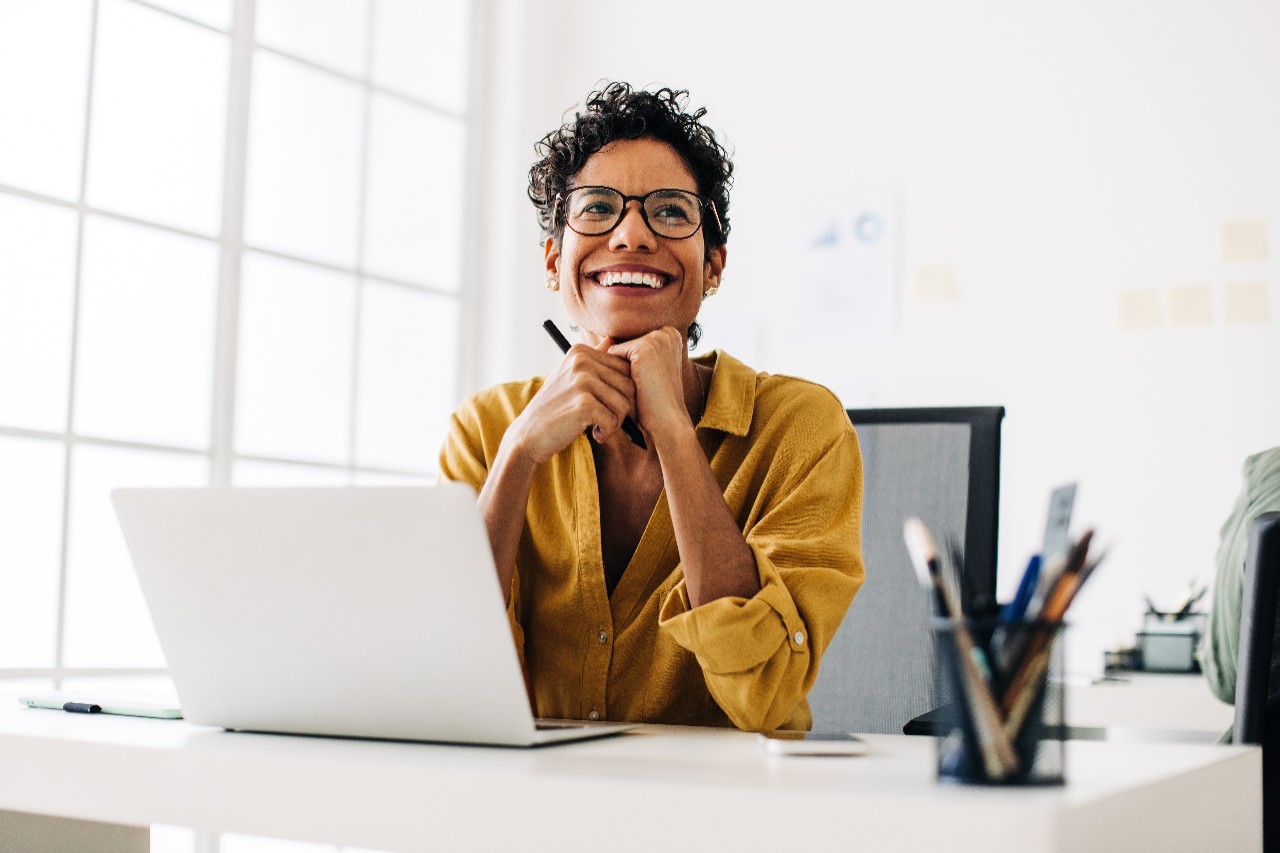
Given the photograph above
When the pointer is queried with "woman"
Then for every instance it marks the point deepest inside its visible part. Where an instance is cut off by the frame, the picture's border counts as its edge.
(696, 579)
(1220, 650)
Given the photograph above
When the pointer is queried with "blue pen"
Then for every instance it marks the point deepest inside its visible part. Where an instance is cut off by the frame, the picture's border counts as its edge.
(1017, 608)
(1004, 645)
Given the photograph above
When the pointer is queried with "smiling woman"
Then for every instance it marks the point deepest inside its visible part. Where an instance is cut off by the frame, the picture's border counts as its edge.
(699, 577)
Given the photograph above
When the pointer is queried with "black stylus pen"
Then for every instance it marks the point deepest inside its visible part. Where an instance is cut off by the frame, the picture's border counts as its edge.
(628, 425)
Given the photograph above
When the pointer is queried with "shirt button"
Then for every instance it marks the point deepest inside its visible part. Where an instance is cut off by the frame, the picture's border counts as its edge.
(593, 715)
(602, 637)
(799, 638)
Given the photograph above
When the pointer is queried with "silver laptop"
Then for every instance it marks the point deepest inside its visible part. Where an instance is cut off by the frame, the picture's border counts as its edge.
(353, 612)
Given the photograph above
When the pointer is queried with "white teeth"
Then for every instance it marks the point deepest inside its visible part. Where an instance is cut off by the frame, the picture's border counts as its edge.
(609, 279)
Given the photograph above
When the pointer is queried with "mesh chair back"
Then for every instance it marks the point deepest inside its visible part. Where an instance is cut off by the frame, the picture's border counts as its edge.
(941, 465)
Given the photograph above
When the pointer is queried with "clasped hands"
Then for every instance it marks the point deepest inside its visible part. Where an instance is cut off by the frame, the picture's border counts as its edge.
(594, 388)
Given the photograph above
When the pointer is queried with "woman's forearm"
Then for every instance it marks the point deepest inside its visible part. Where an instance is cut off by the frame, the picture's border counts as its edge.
(503, 501)
(713, 553)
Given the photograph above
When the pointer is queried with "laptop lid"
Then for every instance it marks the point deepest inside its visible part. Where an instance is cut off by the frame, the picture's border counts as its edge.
(358, 612)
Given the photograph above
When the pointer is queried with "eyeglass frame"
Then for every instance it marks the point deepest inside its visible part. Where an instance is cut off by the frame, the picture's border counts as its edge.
(644, 214)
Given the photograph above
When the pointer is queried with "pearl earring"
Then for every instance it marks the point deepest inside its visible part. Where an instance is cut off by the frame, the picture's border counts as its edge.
(552, 283)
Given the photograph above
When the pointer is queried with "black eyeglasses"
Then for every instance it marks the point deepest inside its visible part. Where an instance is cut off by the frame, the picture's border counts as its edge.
(674, 214)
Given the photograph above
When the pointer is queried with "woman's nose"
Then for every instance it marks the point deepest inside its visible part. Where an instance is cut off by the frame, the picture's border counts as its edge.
(632, 232)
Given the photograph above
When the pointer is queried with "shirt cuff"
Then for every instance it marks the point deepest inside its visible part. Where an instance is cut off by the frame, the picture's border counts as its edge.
(735, 634)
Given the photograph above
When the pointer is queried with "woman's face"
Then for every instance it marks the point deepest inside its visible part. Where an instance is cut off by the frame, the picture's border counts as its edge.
(582, 265)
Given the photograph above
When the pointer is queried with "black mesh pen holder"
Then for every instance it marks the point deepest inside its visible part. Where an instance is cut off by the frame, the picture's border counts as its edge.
(1006, 722)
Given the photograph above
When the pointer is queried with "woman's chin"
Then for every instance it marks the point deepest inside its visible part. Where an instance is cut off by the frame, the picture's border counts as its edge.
(621, 332)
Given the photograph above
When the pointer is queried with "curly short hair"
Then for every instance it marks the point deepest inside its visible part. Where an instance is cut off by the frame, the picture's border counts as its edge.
(618, 111)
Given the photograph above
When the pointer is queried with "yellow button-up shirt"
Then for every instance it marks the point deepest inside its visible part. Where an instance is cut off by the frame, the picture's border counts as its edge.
(788, 462)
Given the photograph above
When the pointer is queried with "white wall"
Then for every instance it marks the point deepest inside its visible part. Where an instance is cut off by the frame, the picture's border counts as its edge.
(1056, 156)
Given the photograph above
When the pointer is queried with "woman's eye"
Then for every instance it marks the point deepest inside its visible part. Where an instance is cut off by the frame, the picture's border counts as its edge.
(673, 213)
(596, 210)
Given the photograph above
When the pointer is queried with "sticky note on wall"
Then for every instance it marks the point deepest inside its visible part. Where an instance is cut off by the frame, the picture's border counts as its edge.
(1139, 309)
(936, 283)
(1244, 241)
(1245, 303)
(1191, 306)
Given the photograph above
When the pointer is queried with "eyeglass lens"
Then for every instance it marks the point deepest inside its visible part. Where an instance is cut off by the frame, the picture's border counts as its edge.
(675, 214)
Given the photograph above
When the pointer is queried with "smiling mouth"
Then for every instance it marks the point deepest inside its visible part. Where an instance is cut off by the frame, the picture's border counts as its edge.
(653, 281)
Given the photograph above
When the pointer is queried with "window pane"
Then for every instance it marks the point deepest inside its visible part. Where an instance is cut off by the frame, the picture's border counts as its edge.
(215, 13)
(415, 207)
(303, 186)
(107, 620)
(144, 367)
(30, 548)
(293, 385)
(251, 472)
(172, 839)
(421, 49)
(44, 73)
(408, 365)
(159, 118)
(331, 33)
(37, 280)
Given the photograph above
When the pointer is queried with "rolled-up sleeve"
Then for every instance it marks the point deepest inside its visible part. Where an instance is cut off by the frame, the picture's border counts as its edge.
(760, 655)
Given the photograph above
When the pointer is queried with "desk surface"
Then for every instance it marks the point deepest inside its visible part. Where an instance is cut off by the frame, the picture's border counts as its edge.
(639, 791)
(1149, 700)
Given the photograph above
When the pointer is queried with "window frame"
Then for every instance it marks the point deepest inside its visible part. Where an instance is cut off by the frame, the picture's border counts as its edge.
(231, 248)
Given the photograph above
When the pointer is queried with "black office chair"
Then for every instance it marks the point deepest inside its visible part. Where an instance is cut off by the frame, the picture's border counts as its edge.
(943, 466)
(1258, 670)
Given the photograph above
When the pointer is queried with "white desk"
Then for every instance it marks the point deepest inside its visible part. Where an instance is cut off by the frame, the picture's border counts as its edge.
(1149, 700)
(658, 789)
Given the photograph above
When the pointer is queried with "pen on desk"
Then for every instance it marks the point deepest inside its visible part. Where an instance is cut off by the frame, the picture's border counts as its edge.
(628, 425)
(81, 708)
(998, 756)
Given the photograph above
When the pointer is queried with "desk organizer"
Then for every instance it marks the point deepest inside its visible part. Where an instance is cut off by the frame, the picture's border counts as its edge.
(1168, 641)
(1013, 734)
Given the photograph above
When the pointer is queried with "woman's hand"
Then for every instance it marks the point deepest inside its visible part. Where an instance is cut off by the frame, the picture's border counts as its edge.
(657, 363)
(590, 389)
(713, 552)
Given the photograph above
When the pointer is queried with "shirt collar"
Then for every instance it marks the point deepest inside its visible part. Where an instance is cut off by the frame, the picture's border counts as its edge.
(732, 396)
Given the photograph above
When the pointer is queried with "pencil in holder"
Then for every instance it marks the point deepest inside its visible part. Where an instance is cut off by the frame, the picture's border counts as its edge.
(1006, 722)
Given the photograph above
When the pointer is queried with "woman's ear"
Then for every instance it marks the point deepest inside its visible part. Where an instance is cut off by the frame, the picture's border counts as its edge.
(714, 269)
(552, 250)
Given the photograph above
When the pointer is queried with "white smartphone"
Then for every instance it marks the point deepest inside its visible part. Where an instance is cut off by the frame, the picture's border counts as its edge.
(812, 743)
